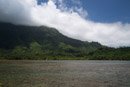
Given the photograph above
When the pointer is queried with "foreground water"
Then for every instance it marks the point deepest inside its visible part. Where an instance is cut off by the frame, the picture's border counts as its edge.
(64, 73)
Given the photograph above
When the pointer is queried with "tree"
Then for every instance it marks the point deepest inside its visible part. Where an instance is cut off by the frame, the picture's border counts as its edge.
(19, 52)
(36, 51)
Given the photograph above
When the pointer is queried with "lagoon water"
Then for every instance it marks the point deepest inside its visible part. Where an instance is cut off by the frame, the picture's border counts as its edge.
(80, 73)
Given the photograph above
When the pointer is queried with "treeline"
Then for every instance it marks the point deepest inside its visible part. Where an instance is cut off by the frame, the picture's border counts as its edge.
(122, 53)
(38, 52)
(64, 52)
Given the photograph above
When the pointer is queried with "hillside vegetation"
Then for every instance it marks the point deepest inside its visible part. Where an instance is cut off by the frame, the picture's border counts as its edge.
(26, 42)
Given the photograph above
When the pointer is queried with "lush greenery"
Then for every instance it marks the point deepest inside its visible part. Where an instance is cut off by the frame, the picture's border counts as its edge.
(122, 53)
(68, 52)
(25, 42)
(36, 51)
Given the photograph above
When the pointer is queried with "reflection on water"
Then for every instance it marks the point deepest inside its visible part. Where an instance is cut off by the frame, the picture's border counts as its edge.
(65, 73)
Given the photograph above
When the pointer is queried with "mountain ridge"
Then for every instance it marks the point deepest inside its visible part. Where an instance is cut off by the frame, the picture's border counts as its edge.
(33, 42)
(32, 33)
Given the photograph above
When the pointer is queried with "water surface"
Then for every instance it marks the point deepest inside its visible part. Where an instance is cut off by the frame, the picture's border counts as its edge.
(65, 73)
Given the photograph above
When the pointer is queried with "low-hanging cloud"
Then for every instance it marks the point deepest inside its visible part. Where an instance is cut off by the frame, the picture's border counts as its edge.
(67, 21)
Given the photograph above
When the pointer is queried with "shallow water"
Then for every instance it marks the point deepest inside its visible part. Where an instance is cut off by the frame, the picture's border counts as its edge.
(64, 73)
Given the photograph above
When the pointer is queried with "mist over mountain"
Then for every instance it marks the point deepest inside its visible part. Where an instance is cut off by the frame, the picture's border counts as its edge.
(54, 29)
(44, 40)
(72, 22)
(15, 35)
(33, 42)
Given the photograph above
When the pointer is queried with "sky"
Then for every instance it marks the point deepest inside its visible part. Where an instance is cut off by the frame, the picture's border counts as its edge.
(103, 10)
(103, 21)
(108, 10)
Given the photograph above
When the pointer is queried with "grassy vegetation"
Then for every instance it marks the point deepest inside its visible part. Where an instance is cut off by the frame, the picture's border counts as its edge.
(64, 52)
(43, 43)
(111, 54)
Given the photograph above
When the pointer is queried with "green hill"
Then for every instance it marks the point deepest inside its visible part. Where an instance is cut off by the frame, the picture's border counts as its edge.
(27, 42)
(49, 40)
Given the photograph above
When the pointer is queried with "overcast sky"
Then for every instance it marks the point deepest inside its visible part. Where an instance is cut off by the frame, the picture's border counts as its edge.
(104, 21)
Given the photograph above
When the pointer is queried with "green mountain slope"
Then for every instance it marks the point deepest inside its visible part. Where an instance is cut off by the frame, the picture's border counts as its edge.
(27, 42)
(50, 40)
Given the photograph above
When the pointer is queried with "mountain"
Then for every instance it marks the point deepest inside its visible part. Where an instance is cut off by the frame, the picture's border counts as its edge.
(12, 36)
(33, 42)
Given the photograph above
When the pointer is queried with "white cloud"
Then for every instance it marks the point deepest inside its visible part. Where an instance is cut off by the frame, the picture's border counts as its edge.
(68, 22)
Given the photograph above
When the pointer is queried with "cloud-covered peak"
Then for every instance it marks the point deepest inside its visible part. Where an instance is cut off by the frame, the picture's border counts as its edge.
(70, 22)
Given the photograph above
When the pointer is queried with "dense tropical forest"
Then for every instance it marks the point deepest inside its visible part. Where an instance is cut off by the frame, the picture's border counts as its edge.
(44, 43)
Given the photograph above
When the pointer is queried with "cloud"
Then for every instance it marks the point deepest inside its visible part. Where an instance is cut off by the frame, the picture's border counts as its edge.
(69, 21)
